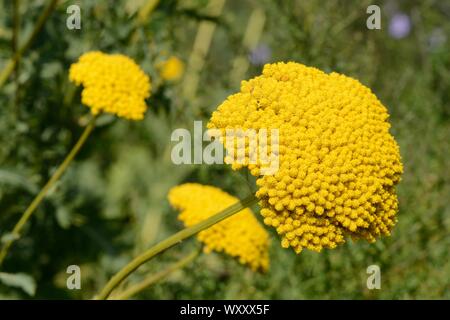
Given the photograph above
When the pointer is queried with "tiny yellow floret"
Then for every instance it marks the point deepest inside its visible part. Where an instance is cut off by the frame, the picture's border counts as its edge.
(240, 236)
(113, 83)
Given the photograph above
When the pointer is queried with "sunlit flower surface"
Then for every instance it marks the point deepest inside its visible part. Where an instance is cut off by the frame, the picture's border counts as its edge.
(113, 83)
(338, 162)
(240, 235)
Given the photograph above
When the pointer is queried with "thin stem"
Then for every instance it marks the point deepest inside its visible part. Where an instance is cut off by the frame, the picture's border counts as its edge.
(171, 241)
(142, 17)
(146, 10)
(41, 195)
(11, 64)
(15, 44)
(147, 282)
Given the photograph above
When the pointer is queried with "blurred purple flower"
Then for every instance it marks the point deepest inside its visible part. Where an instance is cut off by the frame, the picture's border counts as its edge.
(399, 26)
(260, 55)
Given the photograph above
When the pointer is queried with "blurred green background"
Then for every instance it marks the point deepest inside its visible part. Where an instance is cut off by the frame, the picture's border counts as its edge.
(111, 204)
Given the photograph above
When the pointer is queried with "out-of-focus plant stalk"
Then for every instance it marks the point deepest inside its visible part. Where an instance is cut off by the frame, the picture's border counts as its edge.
(170, 242)
(251, 38)
(11, 64)
(15, 233)
(200, 50)
(147, 282)
(15, 45)
(142, 17)
(146, 10)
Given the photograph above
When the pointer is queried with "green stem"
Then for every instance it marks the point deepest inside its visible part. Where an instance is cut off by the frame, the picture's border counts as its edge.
(41, 195)
(146, 10)
(11, 64)
(171, 241)
(133, 290)
(142, 17)
(15, 42)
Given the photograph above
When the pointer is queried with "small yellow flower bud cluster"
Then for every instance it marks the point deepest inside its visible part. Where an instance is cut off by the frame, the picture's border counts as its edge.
(172, 69)
(240, 236)
(338, 162)
(113, 83)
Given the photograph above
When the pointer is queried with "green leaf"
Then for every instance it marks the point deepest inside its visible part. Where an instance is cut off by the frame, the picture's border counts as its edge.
(63, 217)
(50, 70)
(104, 120)
(9, 237)
(19, 280)
(10, 177)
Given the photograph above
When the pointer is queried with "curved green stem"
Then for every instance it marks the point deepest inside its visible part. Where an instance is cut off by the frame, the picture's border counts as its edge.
(133, 290)
(11, 64)
(41, 195)
(171, 241)
(15, 41)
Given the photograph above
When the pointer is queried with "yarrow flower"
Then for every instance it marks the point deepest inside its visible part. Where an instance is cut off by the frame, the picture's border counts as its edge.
(113, 83)
(239, 236)
(338, 162)
(172, 69)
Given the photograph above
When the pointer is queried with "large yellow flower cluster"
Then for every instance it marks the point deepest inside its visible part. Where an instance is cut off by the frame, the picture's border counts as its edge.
(338, 163)
(239, 236)
(112, 83)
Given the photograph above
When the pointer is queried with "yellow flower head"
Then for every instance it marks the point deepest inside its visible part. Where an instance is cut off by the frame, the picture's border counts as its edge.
(172, 69)
(338, 163)
(113, 83)
(239, 236)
